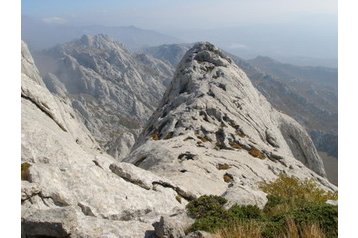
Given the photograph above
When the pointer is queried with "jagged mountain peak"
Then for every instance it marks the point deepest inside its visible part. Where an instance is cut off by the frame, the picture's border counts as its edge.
(205, 52)
(104, 80)
(208, 82)
(99, 41)
(211, 115)
(201, 65)
(93, 46)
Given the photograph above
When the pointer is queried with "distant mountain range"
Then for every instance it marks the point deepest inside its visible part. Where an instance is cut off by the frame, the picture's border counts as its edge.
(41, 35)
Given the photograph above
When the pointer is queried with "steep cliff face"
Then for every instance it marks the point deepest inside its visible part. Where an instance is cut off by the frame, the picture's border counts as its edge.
(69, 187)
(214, 132)
(113, 91)
(308, 94)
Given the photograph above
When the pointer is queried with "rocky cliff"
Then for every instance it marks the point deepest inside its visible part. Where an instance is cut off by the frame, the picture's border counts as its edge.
(308, 94)
(69, 187)
(113, 91)
(214, 133)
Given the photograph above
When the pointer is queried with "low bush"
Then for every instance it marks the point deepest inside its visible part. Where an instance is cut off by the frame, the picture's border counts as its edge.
(206, 205)
(292, 191)
(294, 209)
(246, 212)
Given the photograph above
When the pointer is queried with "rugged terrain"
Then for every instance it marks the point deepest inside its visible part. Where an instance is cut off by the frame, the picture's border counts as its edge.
(308, 94)
(113, 91)
(212, 117)
(69, 187)
(213, 133)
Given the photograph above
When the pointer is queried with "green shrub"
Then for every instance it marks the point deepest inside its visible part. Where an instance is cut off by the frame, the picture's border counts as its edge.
(294, 191)
(294, 209)
(209, 213)
(325, 215)
(206, 205)
(245, 212)
(309, 213)
(273, 229)
(212, 223)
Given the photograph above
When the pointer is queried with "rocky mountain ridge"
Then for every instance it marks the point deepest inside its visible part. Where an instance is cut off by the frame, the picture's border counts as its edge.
(112, 90)
(213, 132)
(308, 94)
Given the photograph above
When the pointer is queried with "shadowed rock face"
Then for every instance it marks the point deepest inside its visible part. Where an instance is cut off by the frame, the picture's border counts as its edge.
(113, 91)
(211, 115)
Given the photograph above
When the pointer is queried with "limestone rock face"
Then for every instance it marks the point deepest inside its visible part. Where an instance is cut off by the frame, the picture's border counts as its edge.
(113, 91)
(173, 226)
(214, 130)
(72, 188)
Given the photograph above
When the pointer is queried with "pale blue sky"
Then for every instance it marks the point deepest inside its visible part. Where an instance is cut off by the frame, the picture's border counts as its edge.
(157, 14)
(275, 28)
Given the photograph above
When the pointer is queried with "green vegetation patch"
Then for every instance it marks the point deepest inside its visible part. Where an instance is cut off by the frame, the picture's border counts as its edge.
(295, 208)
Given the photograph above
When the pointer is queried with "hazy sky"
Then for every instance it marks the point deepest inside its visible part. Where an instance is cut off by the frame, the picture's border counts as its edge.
(161, 14)
(276, 28)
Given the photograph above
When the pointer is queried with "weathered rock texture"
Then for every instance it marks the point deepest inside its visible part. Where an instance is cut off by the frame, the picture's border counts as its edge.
(214, 133)
(69, 187)
(308, 94)
(112, 91)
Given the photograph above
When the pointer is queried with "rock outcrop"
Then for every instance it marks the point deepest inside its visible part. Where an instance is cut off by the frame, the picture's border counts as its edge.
(70, 188)
(214, 133)
(112, 91)
(308, 94)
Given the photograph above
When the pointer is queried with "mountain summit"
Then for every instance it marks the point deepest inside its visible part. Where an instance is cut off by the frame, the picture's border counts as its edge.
(214, 133)
(113, 91)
